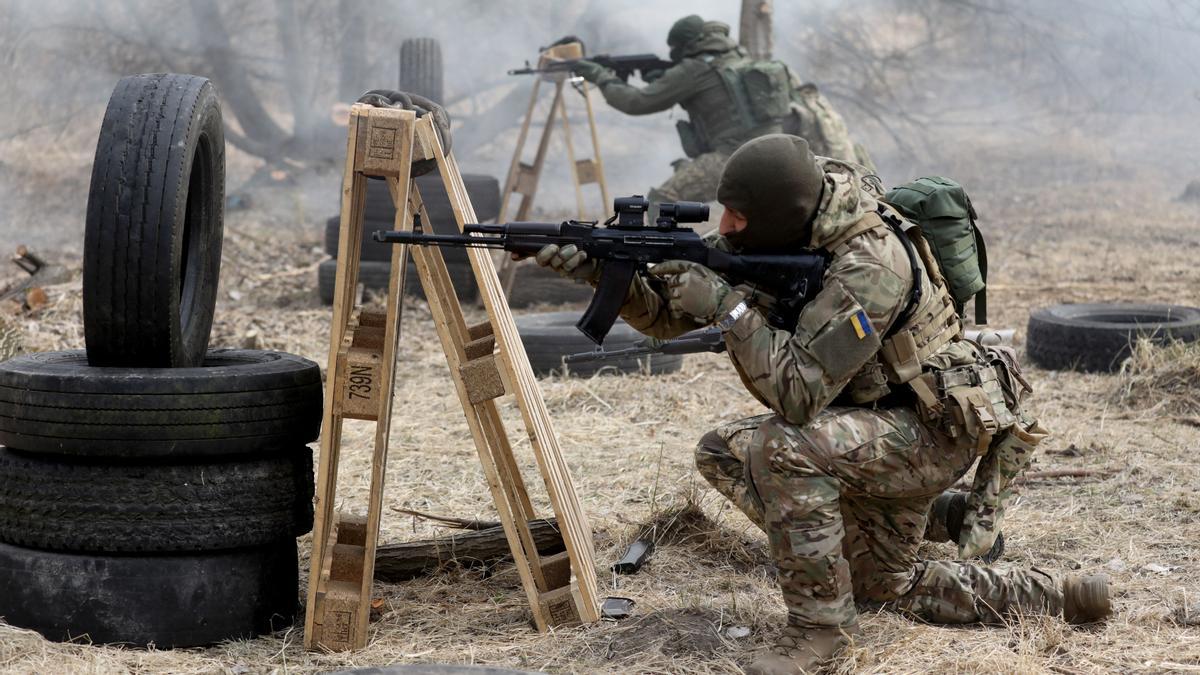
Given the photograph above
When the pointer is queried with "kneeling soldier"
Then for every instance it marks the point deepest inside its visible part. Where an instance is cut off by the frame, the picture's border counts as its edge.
(879, 405)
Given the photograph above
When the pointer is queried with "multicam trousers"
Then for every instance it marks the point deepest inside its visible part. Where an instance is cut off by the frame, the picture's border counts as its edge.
(694, 180)
(843, 501)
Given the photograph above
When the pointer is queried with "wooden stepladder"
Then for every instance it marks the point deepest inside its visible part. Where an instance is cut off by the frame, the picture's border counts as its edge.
(486, 360)
(523, 177)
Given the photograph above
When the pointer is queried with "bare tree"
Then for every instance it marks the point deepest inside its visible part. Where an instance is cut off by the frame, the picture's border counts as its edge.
(754, 29)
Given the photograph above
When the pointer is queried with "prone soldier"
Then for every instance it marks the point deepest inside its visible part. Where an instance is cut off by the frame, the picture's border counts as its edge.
(878, 405)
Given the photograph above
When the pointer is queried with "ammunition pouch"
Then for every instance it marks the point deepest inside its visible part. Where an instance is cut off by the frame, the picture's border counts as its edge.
(967, 401)
(689, 138)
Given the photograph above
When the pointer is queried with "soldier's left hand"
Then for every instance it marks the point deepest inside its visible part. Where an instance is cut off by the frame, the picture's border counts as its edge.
(696, 291)
(589, 70)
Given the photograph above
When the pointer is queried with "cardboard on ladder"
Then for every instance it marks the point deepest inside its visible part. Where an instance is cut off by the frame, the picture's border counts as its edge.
(486, 361)
(523, 178)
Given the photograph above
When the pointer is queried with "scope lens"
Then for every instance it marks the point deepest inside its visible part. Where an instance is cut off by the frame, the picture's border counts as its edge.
(684, 212)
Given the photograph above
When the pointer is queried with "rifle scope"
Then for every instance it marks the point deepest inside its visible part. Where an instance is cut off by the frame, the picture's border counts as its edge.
(683, 212)
(631, 211)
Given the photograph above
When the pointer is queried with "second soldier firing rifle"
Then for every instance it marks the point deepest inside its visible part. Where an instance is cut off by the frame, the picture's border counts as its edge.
(626, 247)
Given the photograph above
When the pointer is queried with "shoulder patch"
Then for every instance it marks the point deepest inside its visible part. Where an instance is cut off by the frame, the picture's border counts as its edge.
(862, 324)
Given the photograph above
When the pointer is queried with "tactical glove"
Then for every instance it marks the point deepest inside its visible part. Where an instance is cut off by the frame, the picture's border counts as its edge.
(652, 75)
(593, 72)
(696, 291)
(569, 262)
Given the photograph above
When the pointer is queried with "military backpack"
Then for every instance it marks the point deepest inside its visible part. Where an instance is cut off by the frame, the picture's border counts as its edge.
(943, 211)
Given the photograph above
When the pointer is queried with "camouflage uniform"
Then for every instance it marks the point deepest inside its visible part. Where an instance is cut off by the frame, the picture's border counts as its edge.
(715, 127)
(842, 474)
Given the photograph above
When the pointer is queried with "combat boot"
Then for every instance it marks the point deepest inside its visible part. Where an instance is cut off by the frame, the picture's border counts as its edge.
(946, 519)
(1085, 599)
(802, 650)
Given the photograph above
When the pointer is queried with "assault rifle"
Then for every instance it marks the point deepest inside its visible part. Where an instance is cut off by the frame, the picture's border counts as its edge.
(712, 341)
(626, 246)
(623, 66)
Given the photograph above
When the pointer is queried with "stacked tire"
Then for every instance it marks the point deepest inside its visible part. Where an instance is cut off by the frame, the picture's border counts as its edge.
(152, 489)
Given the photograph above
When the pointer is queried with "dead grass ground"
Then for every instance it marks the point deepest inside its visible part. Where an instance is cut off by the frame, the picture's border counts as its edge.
(629, 442)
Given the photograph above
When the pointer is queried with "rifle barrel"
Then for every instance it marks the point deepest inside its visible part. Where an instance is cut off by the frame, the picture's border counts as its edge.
(422, 239)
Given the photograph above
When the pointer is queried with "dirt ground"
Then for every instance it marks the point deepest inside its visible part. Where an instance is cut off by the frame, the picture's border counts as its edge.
(1091, 231)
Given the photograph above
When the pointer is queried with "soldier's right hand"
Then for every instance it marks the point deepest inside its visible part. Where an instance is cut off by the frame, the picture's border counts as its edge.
(568, 261)
(652, 76)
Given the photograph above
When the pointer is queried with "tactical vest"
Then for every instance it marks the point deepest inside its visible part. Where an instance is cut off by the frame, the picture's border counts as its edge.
(741, 100)
(962, 396)
(969, 395)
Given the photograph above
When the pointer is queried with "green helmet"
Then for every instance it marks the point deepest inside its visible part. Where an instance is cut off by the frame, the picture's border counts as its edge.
(684, 31)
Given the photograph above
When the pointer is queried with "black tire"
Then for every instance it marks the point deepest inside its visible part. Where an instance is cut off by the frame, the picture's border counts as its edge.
(185, 600)
(550, 336)
(1099, 337)
(483, 191)
(374, 276)
(421, 68)
(537, 285)
(97, 506)
(380, 214)
(152, 242)
(239, 401)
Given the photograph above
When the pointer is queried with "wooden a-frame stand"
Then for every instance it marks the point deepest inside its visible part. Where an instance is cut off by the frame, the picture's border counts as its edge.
(523, 177)
(486, 361)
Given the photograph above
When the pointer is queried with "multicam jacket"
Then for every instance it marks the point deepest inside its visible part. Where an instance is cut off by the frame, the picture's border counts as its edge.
(839, 335)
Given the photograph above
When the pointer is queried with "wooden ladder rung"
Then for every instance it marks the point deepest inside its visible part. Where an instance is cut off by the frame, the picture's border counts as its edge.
(556, 570)
(347, 563)
(352, 529)
(480, 348)
(336, 612)
(586, 171)
(375, 319)
(360, 361)
(480, 330)
(481, 378)
(559, 606)
(527, 180)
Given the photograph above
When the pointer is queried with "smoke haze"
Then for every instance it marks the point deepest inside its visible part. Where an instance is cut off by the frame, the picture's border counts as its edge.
(994, 92)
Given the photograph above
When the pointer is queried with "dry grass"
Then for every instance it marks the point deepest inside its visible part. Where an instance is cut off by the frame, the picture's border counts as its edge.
(1161, 380)
(629, 441)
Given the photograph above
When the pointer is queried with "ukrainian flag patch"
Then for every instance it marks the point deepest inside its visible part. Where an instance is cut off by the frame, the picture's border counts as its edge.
(862, 324)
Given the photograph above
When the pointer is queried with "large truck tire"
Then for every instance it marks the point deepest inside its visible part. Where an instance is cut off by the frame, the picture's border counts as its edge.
(534, 285)
(374, 276)
(152, 239)
(239, 401)
(100, 506)
(1099, 337)
(421, 71)
(550, 336)
(183, 600)
(380, 214)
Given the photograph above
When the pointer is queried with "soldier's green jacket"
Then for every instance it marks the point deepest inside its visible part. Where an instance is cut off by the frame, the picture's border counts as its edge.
(839, 333)
(695, 84)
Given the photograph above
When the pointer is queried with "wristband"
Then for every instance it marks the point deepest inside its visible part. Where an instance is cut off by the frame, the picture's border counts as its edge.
(733, 315)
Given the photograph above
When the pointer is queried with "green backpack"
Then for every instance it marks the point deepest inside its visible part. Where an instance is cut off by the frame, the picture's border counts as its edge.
(944, 213)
